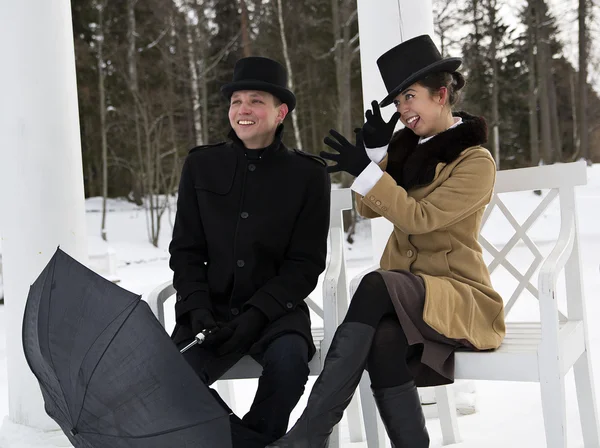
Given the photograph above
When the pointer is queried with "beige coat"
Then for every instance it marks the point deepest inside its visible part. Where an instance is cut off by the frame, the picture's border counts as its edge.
(435, 236)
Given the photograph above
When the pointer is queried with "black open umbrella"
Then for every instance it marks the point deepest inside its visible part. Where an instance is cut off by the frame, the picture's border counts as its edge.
(110, 375)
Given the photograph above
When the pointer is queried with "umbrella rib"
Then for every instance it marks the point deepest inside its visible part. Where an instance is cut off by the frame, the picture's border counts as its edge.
(135, 305)
(181, 428)
(48, 327)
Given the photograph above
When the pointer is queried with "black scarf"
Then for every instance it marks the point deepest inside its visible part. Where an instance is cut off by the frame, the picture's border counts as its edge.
(413, 165)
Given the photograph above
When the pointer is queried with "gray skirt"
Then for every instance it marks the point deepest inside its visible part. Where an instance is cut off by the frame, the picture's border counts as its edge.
(432, 364)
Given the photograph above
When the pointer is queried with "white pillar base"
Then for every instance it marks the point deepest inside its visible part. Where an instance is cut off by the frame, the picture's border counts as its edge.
(13, 435)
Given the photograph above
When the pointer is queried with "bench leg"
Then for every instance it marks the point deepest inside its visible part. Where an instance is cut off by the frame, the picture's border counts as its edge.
(225, 389)
(446, 404)
(586, 399)
(374, 429)
(552, 386)
(355, 420)
(334, 439)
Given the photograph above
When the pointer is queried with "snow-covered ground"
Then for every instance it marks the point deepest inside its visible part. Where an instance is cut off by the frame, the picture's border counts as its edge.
(508, 414)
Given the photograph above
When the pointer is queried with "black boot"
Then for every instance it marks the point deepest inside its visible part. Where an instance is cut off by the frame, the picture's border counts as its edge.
(333, 390)
(402, 415)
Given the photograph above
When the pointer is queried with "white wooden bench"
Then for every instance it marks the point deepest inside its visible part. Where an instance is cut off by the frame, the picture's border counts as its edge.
(542, 351)
(335, 304)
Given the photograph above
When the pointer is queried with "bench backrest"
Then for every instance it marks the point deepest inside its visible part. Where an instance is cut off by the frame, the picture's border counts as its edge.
(515, 271)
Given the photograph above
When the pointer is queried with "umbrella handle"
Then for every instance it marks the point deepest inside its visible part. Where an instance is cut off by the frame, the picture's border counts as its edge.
(199, 339)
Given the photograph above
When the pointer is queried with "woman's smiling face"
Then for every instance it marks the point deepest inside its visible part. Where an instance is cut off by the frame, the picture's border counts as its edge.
(422, 112)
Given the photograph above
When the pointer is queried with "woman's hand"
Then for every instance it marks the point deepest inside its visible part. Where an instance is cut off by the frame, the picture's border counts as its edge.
(352, 159)
(377, 132)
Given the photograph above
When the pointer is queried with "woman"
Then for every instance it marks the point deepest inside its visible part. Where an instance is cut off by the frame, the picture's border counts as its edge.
(433, 293)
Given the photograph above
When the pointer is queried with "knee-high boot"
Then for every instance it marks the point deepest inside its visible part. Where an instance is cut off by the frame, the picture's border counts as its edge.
(402, 415)
(333, 390)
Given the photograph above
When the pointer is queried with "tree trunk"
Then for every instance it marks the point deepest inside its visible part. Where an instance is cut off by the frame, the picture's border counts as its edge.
(542, 65)
(582, 123)
(312, 107)
(576, 149)
(554, 121)
(288, 66)
(534, 142)
(138, 188)
(341, 36)
(495, 93)
(194, 85)
(102, 105)
(246, 41)
(204, 89)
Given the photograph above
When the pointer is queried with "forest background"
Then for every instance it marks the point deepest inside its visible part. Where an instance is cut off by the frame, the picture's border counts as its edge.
(149, 74)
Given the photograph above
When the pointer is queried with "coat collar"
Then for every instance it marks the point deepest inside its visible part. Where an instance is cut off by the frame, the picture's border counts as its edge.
(413, 165)
(272, 148)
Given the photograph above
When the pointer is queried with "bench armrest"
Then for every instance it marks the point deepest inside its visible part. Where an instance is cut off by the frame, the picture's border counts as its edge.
(549, 271)
(358, 278)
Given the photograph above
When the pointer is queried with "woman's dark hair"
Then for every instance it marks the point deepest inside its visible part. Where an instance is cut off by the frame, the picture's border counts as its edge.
(454, 82)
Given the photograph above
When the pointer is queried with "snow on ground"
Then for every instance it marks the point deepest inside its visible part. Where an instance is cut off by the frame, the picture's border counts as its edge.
(508, 414)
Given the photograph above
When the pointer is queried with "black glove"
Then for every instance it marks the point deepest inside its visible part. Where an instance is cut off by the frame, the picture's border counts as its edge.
(241, 332)
(351, 158)
(376, 132)
(202, 319)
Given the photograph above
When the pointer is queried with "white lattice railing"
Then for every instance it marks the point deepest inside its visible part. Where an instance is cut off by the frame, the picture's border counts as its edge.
(500, 256)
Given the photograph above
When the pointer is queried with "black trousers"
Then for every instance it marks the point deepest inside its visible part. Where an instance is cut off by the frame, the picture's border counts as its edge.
(285, 373)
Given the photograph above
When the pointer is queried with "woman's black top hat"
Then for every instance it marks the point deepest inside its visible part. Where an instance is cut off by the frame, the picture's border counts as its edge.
(257, 73)
(410, 62)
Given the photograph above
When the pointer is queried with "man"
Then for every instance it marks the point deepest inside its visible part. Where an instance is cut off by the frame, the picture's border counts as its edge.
(249, 242)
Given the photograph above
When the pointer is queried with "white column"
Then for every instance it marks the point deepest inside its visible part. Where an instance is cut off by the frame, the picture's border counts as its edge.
(382, 25)
(41, 182)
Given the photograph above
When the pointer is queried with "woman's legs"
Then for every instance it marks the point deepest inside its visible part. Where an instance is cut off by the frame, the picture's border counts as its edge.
(343, 368)
(369, 334)
(389, 351)
(393, 387)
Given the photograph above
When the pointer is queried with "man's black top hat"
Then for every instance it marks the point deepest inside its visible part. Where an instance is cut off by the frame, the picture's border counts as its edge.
(410, 62)
(258, 73)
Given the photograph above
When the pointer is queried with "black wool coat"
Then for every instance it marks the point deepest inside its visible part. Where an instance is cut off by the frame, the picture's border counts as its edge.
(250, 233)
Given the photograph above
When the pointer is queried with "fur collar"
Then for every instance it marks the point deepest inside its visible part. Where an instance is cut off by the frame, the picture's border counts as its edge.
(413, 165)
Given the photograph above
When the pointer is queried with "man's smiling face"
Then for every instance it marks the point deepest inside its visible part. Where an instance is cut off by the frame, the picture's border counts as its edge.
(254, 116)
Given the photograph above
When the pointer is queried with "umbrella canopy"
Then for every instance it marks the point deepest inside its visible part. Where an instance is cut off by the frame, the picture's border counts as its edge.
(109, 373)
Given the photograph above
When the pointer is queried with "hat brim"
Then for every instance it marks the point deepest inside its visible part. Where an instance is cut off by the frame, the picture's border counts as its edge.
(445, 65)
(285, 95)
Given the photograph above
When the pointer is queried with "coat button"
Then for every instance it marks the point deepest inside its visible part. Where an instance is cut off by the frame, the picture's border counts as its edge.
(384, 209)
(289, 305)
(409, 253)
(240, 263)
(251, 167)
(179, 298)
(372, 198)
(244, 215)
(377, 203)
(235, 311)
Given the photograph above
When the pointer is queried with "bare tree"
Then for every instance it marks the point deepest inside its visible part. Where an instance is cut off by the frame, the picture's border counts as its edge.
(288, 66)
(134, 88)
(582, 123)
(344, 14)
(190, 20)
(533, 91)
(245, 29)
(102, 95)
(445, 20)
(492, 7)
(543, 67)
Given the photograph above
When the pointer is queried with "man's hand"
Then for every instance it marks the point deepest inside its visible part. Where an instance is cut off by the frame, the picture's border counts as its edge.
(242, 332)
(376, 132)
(351, 158)
(202, 319)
